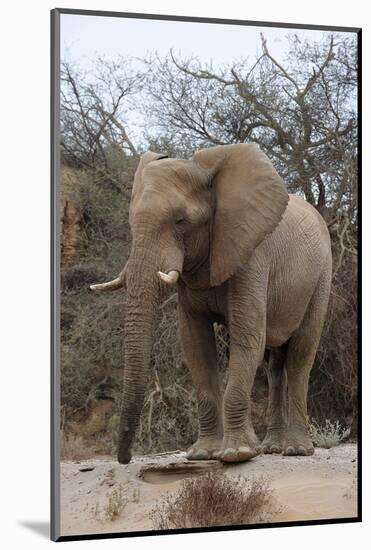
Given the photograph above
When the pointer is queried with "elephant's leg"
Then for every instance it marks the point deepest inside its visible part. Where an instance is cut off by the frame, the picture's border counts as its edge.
(247, 331)
(277, 401)
(301, 353)
(300, 358)
(240, 442)
(198, 340)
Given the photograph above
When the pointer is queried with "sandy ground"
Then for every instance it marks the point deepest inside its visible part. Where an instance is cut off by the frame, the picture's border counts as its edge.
(322, 486)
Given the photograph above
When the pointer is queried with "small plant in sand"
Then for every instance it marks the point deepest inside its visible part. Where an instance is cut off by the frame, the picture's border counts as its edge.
(212, 500)
(116, 503)
(109, 477)
(136, 494)
(95, 511)
(330, 434)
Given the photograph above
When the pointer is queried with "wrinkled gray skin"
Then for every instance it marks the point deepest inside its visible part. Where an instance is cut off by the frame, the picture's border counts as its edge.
(249, 256)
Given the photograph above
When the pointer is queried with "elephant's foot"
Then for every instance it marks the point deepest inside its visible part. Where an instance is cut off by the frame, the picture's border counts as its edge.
(273, 442)
(205, 448)
(297, 442)
(235, 449)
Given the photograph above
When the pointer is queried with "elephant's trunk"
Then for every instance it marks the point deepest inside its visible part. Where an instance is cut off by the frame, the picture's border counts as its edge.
(143, 294)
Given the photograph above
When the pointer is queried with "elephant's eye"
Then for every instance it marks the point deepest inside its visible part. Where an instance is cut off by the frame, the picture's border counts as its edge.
(179, 220)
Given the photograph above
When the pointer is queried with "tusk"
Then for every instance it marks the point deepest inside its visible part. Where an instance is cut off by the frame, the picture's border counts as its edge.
(169, 278)
(111, 285)
(117, 283)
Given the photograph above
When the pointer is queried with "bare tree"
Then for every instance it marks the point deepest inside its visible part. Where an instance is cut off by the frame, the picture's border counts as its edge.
(94, 111)
(302, 114)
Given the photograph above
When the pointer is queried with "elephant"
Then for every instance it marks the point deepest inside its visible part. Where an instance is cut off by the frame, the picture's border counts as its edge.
(241, 251)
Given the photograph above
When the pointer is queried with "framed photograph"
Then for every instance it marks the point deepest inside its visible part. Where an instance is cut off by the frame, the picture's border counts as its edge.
(205, 274)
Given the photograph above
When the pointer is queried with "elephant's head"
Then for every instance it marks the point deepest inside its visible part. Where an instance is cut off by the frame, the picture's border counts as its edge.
(197, 219)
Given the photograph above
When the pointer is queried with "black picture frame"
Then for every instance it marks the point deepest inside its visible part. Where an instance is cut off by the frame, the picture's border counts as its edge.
(55, 269)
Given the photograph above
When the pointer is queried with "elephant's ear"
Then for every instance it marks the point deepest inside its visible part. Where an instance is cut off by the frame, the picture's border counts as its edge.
(250, 201)
(138, 184)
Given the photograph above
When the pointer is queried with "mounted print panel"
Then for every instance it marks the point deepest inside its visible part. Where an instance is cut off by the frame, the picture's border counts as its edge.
(205, 311)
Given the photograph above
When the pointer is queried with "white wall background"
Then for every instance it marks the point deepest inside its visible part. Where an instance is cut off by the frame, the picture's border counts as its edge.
(24, 271)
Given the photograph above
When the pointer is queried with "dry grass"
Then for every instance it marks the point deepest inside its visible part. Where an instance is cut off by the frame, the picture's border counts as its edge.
(75, 448)
(328, 435)
(333, 388)
(214, 500)
(116, 503)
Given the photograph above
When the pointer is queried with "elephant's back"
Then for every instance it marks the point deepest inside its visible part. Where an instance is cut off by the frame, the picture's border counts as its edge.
(304, 231)
(297, 254)
(300, 244)
(301, 209)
